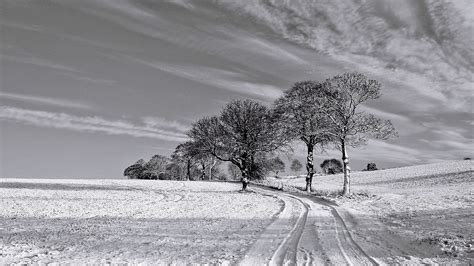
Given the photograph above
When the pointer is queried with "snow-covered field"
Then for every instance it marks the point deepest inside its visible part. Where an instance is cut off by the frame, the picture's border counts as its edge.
(412, 215)
(128, 221)
(427, 203)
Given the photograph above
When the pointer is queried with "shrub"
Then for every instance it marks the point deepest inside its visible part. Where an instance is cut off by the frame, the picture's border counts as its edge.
(331, 166)
(296, 166)
(371, 167)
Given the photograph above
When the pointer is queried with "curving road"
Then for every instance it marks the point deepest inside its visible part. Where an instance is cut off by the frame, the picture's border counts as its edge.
(306, 232)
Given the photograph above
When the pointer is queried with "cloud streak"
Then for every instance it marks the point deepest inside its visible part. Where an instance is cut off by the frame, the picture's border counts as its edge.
(158, 122)
(427, 45)
(36, 61)
(44, 100)
(91, 124)
(218, 78)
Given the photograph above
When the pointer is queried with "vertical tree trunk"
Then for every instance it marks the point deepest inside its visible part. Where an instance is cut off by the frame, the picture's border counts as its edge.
(188, 170)
(210, 170)
(345, 162)
(203, 173)
(309, 167)
(211, 166)
(245, 178)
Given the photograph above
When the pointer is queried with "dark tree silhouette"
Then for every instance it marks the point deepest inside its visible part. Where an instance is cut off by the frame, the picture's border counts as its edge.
(135, 170)
(350, 126)
(331, 166)
(155, 166)
(276, 165)
(301, 111)
(371, 167)
(296, 166)
(244, 131)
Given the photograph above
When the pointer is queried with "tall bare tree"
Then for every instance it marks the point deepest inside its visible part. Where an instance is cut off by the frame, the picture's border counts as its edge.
(242, 132)
(300, 111)
(193, 157)
(350, 126)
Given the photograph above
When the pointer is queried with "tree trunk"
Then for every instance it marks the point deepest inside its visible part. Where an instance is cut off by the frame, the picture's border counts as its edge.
(188, 170)
(211, 166)
(245, 178)
(203, 173)
(346, 190)
(309, 167)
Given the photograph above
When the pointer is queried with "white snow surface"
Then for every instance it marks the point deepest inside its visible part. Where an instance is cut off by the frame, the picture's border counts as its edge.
(128, 221)
(417, 203)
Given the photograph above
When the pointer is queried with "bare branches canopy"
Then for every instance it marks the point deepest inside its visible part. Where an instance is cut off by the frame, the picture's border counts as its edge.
(302, 112)
(348, 125)
(246, 131)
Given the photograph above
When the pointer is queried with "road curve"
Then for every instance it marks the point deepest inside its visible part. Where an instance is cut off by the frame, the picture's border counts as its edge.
(307, 231)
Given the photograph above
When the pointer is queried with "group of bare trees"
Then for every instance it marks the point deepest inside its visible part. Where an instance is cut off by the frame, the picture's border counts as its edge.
(181, 166)
(320, 114)
(316, 113)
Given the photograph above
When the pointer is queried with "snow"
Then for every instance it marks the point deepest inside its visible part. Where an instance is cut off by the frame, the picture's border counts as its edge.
(411, 215)
(418, 203)
(129, 221)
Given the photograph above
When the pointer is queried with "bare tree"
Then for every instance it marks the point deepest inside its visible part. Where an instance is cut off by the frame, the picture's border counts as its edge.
(135, 170)
(350, 126)
(156, 166)
(243, 131)
(301, 112)
(276, 165)
(195, 158)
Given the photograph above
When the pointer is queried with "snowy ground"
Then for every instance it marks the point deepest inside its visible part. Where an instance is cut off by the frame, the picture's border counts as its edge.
(129, 221)
(427, 203)
(412, 215)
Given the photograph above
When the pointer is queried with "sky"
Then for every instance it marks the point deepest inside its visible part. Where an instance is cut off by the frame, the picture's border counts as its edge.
(87, 87)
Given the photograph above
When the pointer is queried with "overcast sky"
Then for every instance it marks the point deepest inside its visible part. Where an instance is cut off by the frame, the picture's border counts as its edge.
(89, 87)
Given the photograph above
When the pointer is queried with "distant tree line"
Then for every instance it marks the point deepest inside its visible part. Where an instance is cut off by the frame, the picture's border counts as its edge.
(177, 167)
(247, 134)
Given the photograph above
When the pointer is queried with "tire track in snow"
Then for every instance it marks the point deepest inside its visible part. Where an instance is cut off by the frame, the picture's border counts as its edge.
(319, 236)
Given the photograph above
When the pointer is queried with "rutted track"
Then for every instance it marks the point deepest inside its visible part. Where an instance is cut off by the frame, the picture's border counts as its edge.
(306, 232)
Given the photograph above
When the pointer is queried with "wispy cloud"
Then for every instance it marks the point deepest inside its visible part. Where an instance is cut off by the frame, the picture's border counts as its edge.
(218, 78)
(384, 114)
(158, 122)
(91, 124)
(38, 62)
(222, 41)
(428, 47)
(44, 100)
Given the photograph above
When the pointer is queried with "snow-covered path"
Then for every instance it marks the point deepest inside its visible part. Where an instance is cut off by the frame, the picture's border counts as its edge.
(306, 232)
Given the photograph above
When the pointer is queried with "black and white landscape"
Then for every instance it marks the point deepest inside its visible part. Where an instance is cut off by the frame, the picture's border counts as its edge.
(264, 132)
